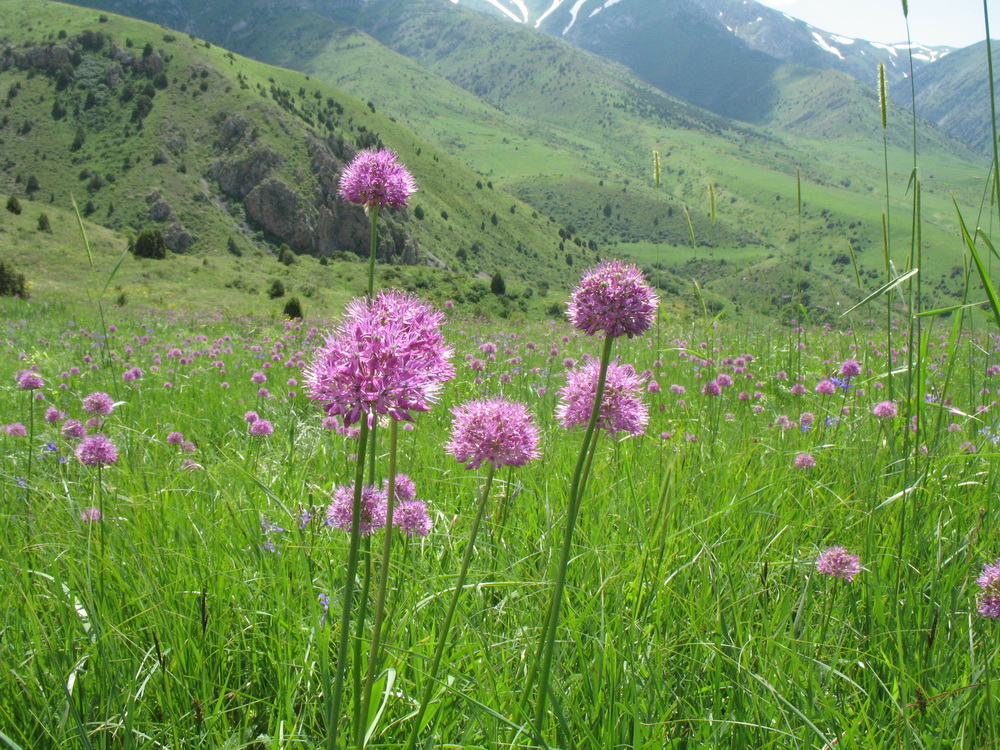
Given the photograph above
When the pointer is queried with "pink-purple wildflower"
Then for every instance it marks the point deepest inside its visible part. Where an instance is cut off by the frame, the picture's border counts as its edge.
(989, 598)
(622, 408)
(411, 517)
(376, 178)
(615, 298)
(838, 562)
(373, 509)
(388, 356)
(96, 450)
(98, 403)
(885, 410)
(29, 381)
(493, 431)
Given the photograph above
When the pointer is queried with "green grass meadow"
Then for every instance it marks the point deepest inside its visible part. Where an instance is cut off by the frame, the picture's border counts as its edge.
(188, 594)
(694, 614)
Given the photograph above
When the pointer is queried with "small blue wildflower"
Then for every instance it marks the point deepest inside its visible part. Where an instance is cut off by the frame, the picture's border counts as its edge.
(21, 482)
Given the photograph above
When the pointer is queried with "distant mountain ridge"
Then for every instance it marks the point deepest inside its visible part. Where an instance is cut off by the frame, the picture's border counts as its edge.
(659, 38)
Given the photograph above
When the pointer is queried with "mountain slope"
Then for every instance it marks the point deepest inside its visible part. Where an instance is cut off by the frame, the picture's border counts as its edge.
(954, 94)
(719, 54)
(570, 134)
(148, 128)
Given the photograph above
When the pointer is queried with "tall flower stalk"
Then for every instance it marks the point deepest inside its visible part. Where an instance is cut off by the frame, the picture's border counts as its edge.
(386, 359)
(496, 432)
(613, 298)
(375, 179)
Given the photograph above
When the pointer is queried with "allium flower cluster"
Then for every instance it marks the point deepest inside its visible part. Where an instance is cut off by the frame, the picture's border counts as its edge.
(850, 368)
(96, 450)
(989, 582)
(261, 428)
(493, 431)
(838, 562)
(411, 517)
(29, 381)
(98, 403)
(614, 298)
(622, 408)
(373, 509)
(885, 410)
(388, 356)
(376, 178)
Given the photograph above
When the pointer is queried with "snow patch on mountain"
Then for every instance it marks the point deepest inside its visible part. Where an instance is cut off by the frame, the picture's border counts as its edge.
(823, 44)
(547, 13)
(572, 12)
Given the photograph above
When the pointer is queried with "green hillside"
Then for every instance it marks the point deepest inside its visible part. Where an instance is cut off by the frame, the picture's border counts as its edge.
(571, 135)
(146, 127)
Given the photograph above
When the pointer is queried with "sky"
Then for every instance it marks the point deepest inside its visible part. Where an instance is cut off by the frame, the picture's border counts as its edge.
(957, 23)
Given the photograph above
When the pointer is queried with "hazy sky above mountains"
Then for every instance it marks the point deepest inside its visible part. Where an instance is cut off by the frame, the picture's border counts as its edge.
(957, 23)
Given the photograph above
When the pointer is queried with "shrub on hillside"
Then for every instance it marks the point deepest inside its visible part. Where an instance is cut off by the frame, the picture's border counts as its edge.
(12, 283)
(285, 255)
(497, 285)
(149, 244)
(14, 205)
(277, 289)
(44, 225)
(293, 308)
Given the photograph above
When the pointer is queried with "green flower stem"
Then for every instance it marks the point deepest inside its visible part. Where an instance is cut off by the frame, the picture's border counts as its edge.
(333, 708)
(383, 580)
(359, 632)
(371, 254)
(31, 433)
(546, 644)
(453, 605)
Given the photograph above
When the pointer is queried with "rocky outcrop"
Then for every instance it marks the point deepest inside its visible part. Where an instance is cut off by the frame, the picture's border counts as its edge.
(238, 176)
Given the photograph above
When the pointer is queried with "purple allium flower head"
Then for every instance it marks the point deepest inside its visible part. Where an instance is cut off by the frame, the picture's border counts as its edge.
(53, 415)
(805, 461)
(376, 178)
(373, 508)
(16, 429)
(711, 388)
(826, 388)
(90, 515)
(885, 410)
(622, 408)
(96, 450)
(614, 298)
(838, 562)
(412, 518)
(72, 429)
(850, 368)
(261, 428)
(388, 356)
(175, 438)
(251, 417)
(258, 377)
(405, 489)
(989, 582)
(29, 381)
(98, 403)
(494, 431)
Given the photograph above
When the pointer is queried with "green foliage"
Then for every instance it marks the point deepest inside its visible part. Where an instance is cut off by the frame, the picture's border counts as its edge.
(293, 308)
(497, 284)
(285, 255)
(14, 205)
(276, 290)
(149, 244)
(12, 283)
(44, 225)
